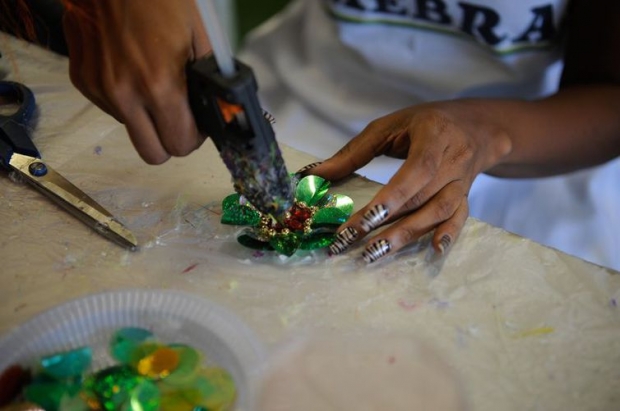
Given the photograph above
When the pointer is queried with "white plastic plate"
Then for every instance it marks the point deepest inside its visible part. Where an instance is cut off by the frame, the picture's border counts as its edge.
(172, 316)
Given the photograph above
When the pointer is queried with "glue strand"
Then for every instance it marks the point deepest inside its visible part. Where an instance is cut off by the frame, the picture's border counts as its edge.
(219, 42)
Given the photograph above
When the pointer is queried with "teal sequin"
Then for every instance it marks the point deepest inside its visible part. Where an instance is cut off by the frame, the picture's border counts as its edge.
(67, 364)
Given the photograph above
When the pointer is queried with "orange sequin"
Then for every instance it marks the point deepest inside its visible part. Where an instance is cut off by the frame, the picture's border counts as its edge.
(159, 364)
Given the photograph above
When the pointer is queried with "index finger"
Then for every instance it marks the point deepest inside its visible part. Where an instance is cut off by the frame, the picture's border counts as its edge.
(405, 187)
(372, 142)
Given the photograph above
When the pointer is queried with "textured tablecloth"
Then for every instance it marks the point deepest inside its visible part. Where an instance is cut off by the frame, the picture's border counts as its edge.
(524, 326)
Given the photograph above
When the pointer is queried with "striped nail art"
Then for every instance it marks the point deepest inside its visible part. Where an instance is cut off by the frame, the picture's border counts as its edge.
(308, 167)
(376, 250)
(343, 240)
(445, 243)
(374, 217)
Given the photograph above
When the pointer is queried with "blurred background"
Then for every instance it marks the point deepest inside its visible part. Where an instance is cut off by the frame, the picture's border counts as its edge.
(250, 13)
(238, 17)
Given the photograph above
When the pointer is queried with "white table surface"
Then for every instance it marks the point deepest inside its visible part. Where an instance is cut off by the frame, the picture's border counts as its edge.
(526, 327)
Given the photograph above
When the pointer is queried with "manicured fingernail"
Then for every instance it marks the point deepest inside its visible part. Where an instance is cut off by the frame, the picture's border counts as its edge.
(308, 167)
(343, 240)
(376, 250)
(444, 243)
(374, 217)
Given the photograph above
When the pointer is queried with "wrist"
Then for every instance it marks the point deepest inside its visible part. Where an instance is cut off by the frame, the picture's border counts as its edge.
(484, 121)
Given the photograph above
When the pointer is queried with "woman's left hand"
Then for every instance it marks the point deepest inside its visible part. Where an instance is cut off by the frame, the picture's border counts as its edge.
(445, 146)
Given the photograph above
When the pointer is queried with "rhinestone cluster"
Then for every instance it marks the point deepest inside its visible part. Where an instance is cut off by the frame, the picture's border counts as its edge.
(298, 218)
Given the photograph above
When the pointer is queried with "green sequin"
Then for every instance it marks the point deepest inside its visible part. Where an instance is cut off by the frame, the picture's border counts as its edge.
(144, 397)
(73, 403)
(311, 190)
(67, 364)
(177, 402)
(231, 202)
(126, 340)
(325, 201)
(317, 240)
(329, 216)
(342, 203)
(189, 364)
(248, 239)
(47, 395)
(113, 386)
(233, 213)
(217, 389)
(285, 244)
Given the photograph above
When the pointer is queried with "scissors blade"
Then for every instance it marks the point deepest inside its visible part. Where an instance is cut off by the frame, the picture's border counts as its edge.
(71, 198)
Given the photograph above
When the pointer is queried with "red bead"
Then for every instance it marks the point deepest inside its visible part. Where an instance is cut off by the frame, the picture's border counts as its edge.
(298, 217)
(12, 381)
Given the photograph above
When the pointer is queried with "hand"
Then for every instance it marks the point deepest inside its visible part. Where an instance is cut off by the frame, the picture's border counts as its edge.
(129, 58)
(446, 145)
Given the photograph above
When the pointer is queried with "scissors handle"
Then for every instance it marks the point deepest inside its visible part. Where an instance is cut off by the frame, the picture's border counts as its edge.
(14, 130)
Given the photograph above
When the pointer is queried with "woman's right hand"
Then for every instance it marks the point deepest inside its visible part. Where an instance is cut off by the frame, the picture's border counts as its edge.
(129, 58)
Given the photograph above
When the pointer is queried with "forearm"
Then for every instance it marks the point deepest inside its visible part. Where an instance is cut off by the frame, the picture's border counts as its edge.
(576, 128)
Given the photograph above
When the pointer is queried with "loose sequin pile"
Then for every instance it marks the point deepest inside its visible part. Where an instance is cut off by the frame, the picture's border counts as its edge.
(149, 376)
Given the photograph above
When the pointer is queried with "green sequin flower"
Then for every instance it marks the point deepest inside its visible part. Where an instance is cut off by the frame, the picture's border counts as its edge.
(309, 225)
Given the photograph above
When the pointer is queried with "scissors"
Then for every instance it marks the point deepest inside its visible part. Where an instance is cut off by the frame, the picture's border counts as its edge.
(18, 153)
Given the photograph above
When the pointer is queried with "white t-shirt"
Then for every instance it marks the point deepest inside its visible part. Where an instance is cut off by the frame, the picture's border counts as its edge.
(327, 68)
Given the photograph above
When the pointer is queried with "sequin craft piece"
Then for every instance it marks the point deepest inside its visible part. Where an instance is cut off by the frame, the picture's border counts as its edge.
(150, 376)
(308, 225)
